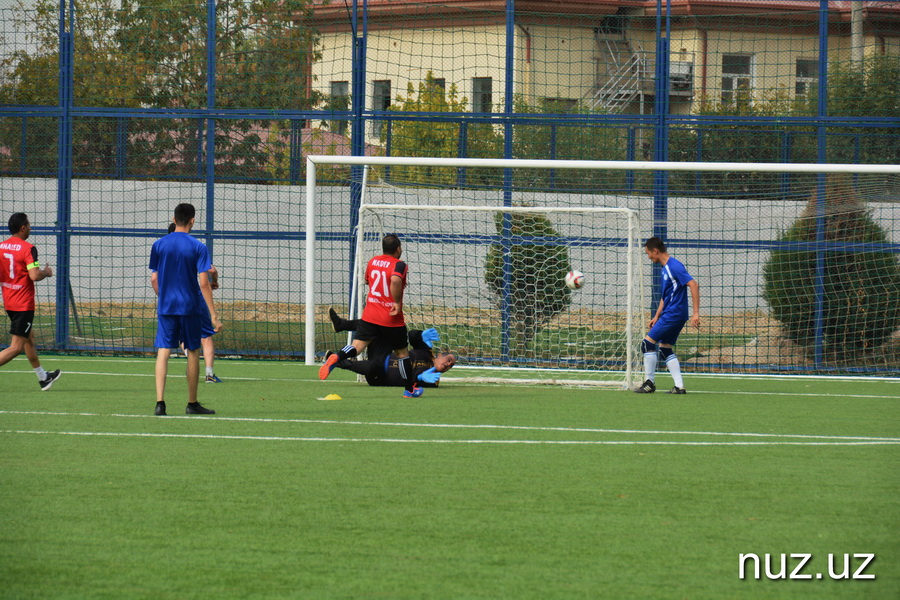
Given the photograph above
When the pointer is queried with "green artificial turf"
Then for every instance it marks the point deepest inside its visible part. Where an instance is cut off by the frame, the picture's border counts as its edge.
(471, 491)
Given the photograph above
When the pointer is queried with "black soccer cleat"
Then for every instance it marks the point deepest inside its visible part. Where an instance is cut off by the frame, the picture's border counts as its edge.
(46, 384)
(648, 387)
(677, 390)
(336, 321)
(160, 410)
(195, 408)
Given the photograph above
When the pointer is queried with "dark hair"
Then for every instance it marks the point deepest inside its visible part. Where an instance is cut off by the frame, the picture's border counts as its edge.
(655, 243)
(171, 227)
(16, 222)
(390, 243)
(184, 212)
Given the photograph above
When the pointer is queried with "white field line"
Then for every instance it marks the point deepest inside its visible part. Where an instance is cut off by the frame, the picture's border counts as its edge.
(423, 441)
(171, 372)
(825, 438)
(461, 384)
(773, 376)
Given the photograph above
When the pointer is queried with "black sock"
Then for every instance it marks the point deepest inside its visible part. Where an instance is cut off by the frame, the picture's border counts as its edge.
(405, 365)
(346, 352)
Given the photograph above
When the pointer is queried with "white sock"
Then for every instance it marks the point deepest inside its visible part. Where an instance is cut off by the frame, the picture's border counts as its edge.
(674, 368)
(650, 360)
(209, 371)
(41, 373)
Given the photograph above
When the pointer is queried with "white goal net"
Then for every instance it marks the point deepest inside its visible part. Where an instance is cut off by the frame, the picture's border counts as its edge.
(491, 280)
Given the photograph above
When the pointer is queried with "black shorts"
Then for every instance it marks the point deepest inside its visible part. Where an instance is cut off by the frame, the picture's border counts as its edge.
(390, 338)
(22, 320)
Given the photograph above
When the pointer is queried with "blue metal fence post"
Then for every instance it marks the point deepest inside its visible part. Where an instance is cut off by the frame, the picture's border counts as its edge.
(23, 146)
(388, 145)
(553, 133)
(505, 319)
(295, 168)
(629, 156)
(698, 176)
(64, 173)
(661, 146)
(786, 138)
(462, 151)
(822, 157)
(121, 147)
(357, 134)
(210, 123)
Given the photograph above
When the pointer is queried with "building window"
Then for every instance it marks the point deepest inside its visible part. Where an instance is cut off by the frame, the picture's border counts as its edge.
(381, 100)
(737, 75)
(339, 100)
(807, 76)
(482, 94)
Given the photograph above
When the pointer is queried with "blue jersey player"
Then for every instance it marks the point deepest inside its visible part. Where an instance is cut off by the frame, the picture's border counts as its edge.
(180, 267)
(670, 317)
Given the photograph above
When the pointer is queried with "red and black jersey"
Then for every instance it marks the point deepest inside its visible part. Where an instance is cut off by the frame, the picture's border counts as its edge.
(379, 273)
(16, 258)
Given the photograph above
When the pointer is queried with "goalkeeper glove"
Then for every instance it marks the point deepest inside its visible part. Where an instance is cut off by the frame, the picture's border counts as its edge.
(429, 376)
(430, 336)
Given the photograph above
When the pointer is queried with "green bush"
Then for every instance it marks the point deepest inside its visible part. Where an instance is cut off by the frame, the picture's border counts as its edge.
(537, 271)
(861, 289)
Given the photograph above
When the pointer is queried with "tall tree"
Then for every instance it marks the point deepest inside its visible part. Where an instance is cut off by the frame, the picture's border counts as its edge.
(152, 54)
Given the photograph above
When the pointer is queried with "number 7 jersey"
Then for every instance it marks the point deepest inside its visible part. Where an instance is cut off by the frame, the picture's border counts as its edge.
(379, 272)
(18, 256)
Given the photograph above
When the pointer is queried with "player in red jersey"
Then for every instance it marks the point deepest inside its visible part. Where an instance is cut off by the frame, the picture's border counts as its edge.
(382, 316)
(19, 269)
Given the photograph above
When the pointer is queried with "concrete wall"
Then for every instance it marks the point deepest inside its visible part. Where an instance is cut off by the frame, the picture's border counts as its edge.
(112, 267)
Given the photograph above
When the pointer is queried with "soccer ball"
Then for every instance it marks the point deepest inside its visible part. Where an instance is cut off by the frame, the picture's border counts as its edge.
(574, 280)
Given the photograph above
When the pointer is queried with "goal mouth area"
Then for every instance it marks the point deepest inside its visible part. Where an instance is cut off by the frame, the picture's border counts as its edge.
(493, 286)
(552, 377)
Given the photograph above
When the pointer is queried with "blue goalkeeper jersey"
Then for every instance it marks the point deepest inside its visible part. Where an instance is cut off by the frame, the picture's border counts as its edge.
(674, 290)
(177, 259)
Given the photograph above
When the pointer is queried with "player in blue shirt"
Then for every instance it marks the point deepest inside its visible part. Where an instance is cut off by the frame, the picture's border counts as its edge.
(206, 341)
(180, 265)
(670, 317)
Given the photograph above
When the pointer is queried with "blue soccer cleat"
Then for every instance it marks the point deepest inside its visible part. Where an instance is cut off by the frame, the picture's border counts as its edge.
(415, 393)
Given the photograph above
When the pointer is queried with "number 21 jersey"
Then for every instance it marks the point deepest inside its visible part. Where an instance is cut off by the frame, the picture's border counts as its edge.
(379, 301)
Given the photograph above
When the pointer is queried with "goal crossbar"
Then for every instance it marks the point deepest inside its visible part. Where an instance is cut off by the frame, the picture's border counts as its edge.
(615, 165)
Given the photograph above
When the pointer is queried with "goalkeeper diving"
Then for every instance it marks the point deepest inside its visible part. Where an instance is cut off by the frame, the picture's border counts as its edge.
(382, 368)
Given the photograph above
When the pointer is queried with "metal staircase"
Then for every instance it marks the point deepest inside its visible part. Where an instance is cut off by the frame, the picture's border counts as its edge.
(621, 72)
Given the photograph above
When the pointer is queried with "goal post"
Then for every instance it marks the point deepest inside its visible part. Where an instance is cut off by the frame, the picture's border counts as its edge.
(798, 264)
(490, 279)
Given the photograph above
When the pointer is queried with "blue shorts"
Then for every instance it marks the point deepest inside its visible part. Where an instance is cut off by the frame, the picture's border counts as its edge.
(666, 331)
(206, 326)
(172, 330)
